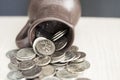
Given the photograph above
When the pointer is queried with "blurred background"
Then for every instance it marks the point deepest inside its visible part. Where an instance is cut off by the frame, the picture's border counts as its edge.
(93, 8)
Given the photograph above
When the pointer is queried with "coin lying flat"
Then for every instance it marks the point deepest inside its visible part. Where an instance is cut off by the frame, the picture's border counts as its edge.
(43, 46)
(61, 43)
(81, 58)
(78, 67)
(11, 53)
(50, 78)
(57, 56)
(64, 74)
(47, 71)
(42, 61)
(32, 73)
(74, 48)
(14, 60)
(13, 67)
(25, 54)
(25, 65)
(15, 75)
(69, 56)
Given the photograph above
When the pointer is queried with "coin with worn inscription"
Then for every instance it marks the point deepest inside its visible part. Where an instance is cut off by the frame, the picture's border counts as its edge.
(25, 65)
(43, 46)
(78, 67)
(64, 74)
(13, 67)
(42, 61)
(61, 43)
(14, 75)
(32, 73)
(11, 53)
(25, 54)
(51, 78)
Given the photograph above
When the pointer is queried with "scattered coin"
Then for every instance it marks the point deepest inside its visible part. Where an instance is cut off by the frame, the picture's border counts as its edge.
(78, 67)
(14, 60)
(57, 56)
(11, 53)
(26, 65)
(42, 61)
(43, 46)
(77, 55)
(15, 75)
(25, 54)
(62, 74)
(13, 67)
(61, 43)
(74, 48)
(32, 73)
(50, 78)
(82, 79)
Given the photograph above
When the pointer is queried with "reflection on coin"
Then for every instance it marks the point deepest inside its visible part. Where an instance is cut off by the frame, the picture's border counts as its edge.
(78, 67)
(50, 78)
(57, 56)
(11, 53)
(32, 73)
(74, 49)
(82, 79)
(13, 67)
(14, 75)
(65, 74)
(81, 58)
(77, 55)
(25, 65)
(25, 54)
(69, 56)
(47, 71)
(42, 61)
(61, 43)
(43, 46)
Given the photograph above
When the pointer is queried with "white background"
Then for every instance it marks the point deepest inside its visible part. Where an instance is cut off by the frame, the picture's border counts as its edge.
(98, 37)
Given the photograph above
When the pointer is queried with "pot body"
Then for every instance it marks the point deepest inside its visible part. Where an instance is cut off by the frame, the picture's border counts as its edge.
(66, 12)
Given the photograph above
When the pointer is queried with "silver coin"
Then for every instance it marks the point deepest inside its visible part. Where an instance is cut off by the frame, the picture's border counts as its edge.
(14, 60)
(32, 73)
(59, 34)
(57, 56)
(13, 67)
(26, 65)
(11, 53)
(74, 48)
(47, 71)
(50, 78)
(61, 43)
(69, 56)
(59, 66)
(43, 46)
(42, 61)
(82, 79)
(81, 58)
(78, 67)
(77, 55)
(25, 54)
(15, 75)
(64, 74)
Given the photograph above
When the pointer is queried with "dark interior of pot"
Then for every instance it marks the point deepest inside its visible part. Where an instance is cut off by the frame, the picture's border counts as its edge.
(60, 33)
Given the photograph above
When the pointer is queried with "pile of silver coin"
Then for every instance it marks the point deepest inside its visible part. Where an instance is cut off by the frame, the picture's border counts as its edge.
(44, 61)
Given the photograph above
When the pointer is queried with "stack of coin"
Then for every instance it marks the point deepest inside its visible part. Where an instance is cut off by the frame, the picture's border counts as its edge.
(43, 62)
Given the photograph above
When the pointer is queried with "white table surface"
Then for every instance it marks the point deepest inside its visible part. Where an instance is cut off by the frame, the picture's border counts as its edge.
(98, 37)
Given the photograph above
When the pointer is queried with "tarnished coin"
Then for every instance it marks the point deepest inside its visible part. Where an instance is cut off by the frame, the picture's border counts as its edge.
(50, 78)
(64, 74)
(74, 48)
(42, 61)
(58, 35)
(81, 58)
(26, 65)
(57, 56)
(43, 46)
(11, 53)
(25, 54)
(32, 73)
(78, 67)
(15, 75)
(69, 56)
(82, 79)
(61, 43)
(47, 71)
(13, 67)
